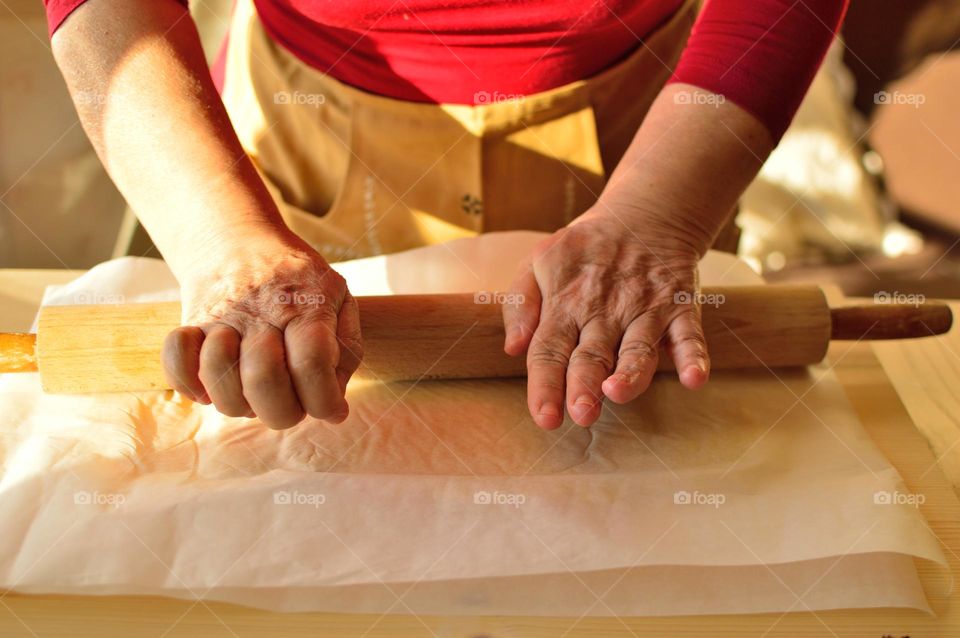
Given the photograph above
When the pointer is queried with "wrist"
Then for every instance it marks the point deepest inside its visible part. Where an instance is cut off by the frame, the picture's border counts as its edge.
(209, 252)
(675, 226)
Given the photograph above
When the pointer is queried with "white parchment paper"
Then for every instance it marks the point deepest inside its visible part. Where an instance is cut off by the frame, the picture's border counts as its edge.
(761, 492)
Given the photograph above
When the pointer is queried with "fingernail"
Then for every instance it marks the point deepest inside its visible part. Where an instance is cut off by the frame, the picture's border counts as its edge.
(620, 379)
(548, 409)
(694, 375)
(700, 367)
(584, 401)
(584, 405)
(548, 414)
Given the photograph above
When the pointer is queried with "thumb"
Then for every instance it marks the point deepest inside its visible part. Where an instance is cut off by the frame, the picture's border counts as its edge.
(521, 313)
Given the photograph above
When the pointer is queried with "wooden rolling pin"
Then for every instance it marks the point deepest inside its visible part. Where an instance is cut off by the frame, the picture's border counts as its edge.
(112, 348)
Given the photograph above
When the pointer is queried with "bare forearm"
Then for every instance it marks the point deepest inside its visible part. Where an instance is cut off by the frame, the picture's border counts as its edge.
(146, 100)
(688, 164)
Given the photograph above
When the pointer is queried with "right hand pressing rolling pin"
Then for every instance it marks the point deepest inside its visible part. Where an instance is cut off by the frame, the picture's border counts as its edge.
(270, 330)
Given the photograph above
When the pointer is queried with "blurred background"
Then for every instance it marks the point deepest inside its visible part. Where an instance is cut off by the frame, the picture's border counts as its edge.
(863, 191)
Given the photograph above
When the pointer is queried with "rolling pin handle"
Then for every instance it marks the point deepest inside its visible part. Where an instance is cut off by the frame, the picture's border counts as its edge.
(18, 352)
(890, 321)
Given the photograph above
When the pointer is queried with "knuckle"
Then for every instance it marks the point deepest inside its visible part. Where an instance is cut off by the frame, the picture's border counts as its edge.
(295, 308)
(172, 365)
(210, 378)
(175, 340)
(264, 373)
(593, 355)
(695, 339)
(689, 314)
(302, 315)
(177, 372)
(213, 370)
(213, 377)
(218, 355)
(638, 350)
(547, 355)
(549, 382)
(312, 366)
(258, 380)
(178, 346)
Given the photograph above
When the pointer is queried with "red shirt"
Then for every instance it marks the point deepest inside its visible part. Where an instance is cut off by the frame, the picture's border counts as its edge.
(760, 54)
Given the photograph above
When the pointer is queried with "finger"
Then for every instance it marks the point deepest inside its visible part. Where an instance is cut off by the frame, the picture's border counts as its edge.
(521, 313)
(547, 360)
(636, 359)
(220, 370)
(312, 355)
(266, 382)
(689, 348)
(350, 340)
(591, 362)
(180, 356)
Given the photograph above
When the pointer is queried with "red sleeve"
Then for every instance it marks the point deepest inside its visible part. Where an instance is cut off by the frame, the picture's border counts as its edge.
(59, 10)
(760, 54)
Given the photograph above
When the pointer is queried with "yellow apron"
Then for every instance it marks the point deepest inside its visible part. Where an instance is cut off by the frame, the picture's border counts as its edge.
(357, 174)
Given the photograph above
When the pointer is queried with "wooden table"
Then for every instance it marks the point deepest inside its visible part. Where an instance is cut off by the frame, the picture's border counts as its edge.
(892, 386)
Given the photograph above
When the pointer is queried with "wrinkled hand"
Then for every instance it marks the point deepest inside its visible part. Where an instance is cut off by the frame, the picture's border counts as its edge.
(598, 298)
(270, 330)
